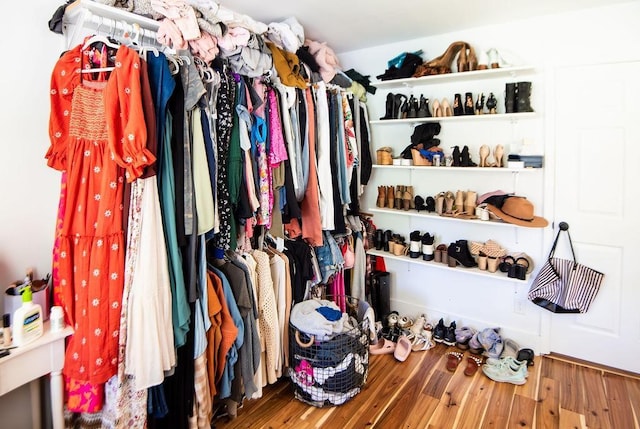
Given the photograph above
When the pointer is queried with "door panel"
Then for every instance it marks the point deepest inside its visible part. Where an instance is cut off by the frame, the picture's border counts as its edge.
(597, 174)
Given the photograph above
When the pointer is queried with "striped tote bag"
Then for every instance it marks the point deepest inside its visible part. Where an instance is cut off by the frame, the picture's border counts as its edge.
(564, 285)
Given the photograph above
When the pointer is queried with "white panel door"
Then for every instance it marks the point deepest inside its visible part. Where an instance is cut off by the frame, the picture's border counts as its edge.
(597, 192)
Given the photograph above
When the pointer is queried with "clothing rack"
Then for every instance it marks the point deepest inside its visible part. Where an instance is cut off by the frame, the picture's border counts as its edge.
(85, 17)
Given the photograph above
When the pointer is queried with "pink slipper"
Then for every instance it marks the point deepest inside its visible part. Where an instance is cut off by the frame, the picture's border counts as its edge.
(403, 348)
(382, 347)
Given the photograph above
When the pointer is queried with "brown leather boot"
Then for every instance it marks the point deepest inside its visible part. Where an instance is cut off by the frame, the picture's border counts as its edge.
(398, 197)
(382, 196)
(390, 197)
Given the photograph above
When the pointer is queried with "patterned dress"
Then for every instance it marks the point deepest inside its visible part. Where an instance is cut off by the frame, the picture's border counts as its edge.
(98, 138)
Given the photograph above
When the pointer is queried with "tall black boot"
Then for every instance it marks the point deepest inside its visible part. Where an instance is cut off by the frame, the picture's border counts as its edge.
(456, 157)
(524, 97)
(465, 158)
(388, 113)
(510, 105)
(423, 109)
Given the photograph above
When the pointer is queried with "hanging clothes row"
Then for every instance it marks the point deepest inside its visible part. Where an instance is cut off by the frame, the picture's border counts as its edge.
(172, 170)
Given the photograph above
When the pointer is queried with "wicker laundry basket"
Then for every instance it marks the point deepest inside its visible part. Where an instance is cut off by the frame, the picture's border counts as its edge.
(334, 370)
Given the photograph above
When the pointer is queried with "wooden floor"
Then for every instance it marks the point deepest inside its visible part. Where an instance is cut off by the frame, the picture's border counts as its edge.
(421, 393)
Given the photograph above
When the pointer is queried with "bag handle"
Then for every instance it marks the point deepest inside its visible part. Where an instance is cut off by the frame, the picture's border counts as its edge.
(563, 226)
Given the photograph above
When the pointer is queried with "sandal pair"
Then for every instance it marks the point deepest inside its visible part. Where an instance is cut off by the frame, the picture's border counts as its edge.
(454, 359)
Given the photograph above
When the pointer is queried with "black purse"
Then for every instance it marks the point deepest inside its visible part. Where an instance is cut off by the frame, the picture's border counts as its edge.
(564, 285)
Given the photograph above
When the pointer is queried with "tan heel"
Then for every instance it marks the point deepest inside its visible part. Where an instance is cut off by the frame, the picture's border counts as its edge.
(437, 110)
(458, 206)
(470, 203)
(484, 154)
(446, 108)
(448, 202)
(382, 196)
(498, 153)
(440, 203)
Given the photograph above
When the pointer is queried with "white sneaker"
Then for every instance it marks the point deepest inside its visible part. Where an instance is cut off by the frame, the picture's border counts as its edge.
(506, 370)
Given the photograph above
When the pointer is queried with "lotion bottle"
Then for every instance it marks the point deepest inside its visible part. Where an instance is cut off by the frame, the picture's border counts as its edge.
(27, 320)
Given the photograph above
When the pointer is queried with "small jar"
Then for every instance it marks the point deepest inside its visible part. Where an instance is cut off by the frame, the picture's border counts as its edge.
(57, 318)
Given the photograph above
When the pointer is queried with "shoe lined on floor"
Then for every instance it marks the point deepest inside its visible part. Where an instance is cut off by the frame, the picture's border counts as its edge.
(473, 363)
(450, 335)
(403, 348)
(506, 370)
(439, 331)
(463, 336)
(383, 347)
(453, 360)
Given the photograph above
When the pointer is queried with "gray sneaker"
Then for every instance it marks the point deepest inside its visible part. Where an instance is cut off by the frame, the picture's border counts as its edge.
(506, 370)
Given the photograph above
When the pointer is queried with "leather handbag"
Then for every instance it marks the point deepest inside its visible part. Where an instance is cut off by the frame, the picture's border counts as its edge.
(564, 285)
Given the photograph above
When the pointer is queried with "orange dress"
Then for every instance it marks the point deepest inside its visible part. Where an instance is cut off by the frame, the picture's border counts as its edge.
(98, 137)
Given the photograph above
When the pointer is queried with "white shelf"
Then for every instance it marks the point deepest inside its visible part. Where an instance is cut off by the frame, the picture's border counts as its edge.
(451, 77)
(435, 216)
(513, 117)
(438, 265)
(431, 168)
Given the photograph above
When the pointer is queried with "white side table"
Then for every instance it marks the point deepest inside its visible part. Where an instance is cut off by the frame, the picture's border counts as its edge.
(32, 361)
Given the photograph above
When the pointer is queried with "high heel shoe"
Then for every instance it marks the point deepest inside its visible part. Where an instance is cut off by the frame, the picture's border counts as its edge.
(446, 108)
(389, 107)
(412, 107)
(484, 154)
(430, 204)
(480, 104)
(470, 202)
(465, 158)
(483, 60)
(448, 202)
(423, 109)
(437, 110)
(455, 157)
(399, 103)
(498, 154)
(384, 156)
(462, 60)
(472, 60)
(418, 203)
(439, 199)
(457, 105)
(458, 205)
(492, 103)
(494, 58)
(468, 104)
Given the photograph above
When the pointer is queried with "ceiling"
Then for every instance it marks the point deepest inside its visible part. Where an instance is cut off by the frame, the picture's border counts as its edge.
(355, 24)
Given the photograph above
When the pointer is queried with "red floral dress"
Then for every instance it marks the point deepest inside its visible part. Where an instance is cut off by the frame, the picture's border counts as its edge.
(98, 137)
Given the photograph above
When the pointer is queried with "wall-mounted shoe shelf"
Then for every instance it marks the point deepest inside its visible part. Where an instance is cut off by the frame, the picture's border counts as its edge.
(432, 169)
(463, 118)
(455, 77)
(437, 265)
(435, 216)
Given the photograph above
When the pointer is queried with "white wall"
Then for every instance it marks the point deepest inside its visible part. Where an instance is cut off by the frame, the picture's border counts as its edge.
(593, 36)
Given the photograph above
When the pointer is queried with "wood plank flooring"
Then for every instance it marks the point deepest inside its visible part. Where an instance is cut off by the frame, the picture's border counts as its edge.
(421, 393)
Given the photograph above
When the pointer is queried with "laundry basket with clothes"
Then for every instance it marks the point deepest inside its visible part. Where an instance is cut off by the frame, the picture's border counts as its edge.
(329, 356)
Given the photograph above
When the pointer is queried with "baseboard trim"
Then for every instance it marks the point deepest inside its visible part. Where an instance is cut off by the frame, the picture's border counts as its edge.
(596, 366)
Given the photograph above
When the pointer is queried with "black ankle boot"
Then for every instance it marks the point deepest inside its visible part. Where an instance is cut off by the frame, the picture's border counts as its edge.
(480, 105)
(399, 105)
(468, 104)
(523, 97)
(492, 103)
(510, 98)
(378, 239)
(430, 204)
(418, 201)
(427, 247)
(465, 158)
(388, 112)
(415, 245)
(412, 107)
(459, 251)
(456, 157)
(386, 238)
(423, 109)
(458, 109)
